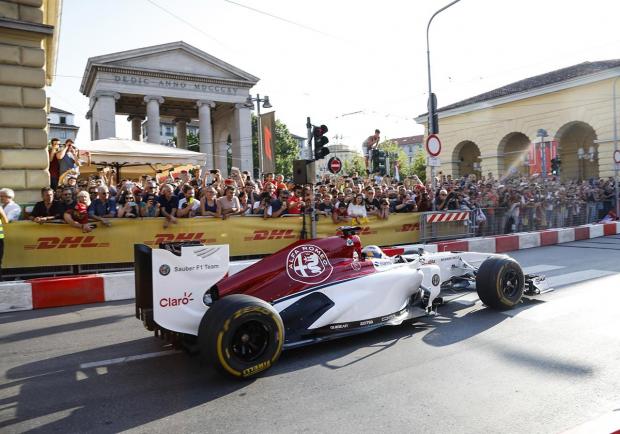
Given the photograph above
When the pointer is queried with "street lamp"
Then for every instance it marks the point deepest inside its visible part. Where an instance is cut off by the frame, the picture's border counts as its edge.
(249, 102)
(432, 102)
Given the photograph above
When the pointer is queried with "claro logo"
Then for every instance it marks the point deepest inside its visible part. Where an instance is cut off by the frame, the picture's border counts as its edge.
(274, 234)
(46, 243)
(183, 236)
(173, 302)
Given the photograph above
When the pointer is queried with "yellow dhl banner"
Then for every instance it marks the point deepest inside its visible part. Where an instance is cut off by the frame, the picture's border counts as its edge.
(29, 244)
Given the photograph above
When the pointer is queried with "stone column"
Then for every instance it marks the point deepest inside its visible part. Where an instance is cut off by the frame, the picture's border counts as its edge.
(493, 163)
(136, 126)
(181, 127)
(206, 130)
(242, 138)
(104, 114)
(153, 127)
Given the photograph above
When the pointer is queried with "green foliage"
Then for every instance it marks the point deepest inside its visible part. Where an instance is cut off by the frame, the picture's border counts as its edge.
(287, 150)
(193, 142)
(418, 165)
(355, 164)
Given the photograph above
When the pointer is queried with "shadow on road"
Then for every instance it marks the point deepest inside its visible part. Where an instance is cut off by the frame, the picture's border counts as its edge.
(111, 399)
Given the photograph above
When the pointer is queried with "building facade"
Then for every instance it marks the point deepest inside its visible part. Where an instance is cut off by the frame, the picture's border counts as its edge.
(506, 131)
(344, 152)
(178, 83)
(411, 145)
(29, 31)
(168, 131)
(60, 125)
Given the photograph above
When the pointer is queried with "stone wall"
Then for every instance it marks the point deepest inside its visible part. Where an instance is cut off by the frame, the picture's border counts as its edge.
(23, 103)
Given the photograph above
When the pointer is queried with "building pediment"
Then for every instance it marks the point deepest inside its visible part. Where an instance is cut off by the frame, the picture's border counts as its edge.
(173, 58)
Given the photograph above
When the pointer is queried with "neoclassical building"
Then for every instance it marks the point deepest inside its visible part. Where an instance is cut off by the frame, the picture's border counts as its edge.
(29, 32)
(178, 83)
(569, 110)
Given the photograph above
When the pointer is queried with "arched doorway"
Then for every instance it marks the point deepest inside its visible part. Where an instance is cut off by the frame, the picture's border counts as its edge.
(515, 149)
(467, 157)
(578, 151)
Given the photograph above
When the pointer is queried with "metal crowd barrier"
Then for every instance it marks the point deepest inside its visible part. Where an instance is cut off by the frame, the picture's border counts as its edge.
(443, 225)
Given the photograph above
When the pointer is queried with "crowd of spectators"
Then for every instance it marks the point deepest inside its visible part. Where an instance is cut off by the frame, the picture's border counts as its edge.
(496, 205)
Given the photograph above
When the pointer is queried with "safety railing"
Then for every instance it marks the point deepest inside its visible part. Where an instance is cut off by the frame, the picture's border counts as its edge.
(444, 225)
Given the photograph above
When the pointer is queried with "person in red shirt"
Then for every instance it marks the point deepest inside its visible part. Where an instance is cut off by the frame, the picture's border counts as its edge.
(78, 215)
(294, 201)
(340, 213)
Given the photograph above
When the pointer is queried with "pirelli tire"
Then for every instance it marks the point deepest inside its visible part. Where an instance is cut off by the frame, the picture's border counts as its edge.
(500, 282)
(241, 335)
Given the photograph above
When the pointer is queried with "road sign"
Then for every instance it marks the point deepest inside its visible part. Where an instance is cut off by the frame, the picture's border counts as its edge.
(334, 165)
(433, 162)
(617, 156)
(433, 145)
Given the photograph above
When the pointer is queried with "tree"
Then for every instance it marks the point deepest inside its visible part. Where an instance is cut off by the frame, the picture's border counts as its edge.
(354, 164)
(286, 148)
(417, 167)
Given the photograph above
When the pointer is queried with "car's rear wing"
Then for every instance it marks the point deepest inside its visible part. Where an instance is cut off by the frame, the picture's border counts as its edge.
(171, 283)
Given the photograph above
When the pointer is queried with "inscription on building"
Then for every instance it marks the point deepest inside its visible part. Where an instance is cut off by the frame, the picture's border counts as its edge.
(175, 84)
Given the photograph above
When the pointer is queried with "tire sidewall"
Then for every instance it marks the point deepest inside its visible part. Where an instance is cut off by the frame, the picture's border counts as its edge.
(218, 328)
(488, 282)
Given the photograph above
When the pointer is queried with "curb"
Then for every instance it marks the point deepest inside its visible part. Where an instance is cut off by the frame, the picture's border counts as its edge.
(98, 288)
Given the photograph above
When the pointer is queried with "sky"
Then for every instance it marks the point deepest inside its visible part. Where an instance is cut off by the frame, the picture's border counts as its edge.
(352, 65)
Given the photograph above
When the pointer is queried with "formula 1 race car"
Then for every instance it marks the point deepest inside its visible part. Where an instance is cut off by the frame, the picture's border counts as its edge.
(240, 316)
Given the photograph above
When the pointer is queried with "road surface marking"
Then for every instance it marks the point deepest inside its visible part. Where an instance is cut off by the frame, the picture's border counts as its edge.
(127, 359)
(577, 276)
(542, 268)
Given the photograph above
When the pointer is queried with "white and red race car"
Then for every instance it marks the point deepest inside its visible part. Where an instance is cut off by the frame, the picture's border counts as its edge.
(240, 316)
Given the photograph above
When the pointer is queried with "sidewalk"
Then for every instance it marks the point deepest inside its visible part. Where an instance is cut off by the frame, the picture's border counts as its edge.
(98, 288)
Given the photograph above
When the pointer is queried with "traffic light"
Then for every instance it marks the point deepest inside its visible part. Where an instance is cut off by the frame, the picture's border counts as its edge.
(555, 166)
(379, 157)
(320, 142)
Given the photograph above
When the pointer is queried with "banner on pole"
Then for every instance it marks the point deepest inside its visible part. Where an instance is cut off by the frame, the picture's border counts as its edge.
(268, 147)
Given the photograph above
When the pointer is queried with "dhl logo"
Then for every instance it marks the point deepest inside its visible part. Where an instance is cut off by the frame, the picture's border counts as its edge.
(180, 237)
(45, 243)
(409, 227)
(274, 234)
(366, 230)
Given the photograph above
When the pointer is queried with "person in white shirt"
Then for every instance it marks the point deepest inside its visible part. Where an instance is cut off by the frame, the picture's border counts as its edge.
(12, 210)
(357, 208)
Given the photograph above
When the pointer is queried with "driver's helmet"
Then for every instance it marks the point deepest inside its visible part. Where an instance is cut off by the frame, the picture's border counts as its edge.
(373, 252)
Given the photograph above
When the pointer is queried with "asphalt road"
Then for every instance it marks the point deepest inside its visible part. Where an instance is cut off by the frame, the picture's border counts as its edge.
(546, 367)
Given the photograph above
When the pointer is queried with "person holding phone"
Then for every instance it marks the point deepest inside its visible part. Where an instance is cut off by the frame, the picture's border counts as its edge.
(130, 209)
(149, 207)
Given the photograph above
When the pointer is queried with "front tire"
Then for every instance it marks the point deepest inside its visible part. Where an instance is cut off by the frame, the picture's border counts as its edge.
(500, 282)
(241, 335)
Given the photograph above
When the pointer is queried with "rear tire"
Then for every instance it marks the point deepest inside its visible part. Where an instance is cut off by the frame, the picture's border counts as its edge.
(241, 335)
(500, 282)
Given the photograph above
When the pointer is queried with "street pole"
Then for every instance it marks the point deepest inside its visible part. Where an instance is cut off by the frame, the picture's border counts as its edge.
(616, 146)
(259, 125)
(431, 106)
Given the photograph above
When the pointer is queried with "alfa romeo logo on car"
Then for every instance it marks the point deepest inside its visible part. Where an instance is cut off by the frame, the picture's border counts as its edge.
(164, 270)
(308, 264)
(436, 279)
